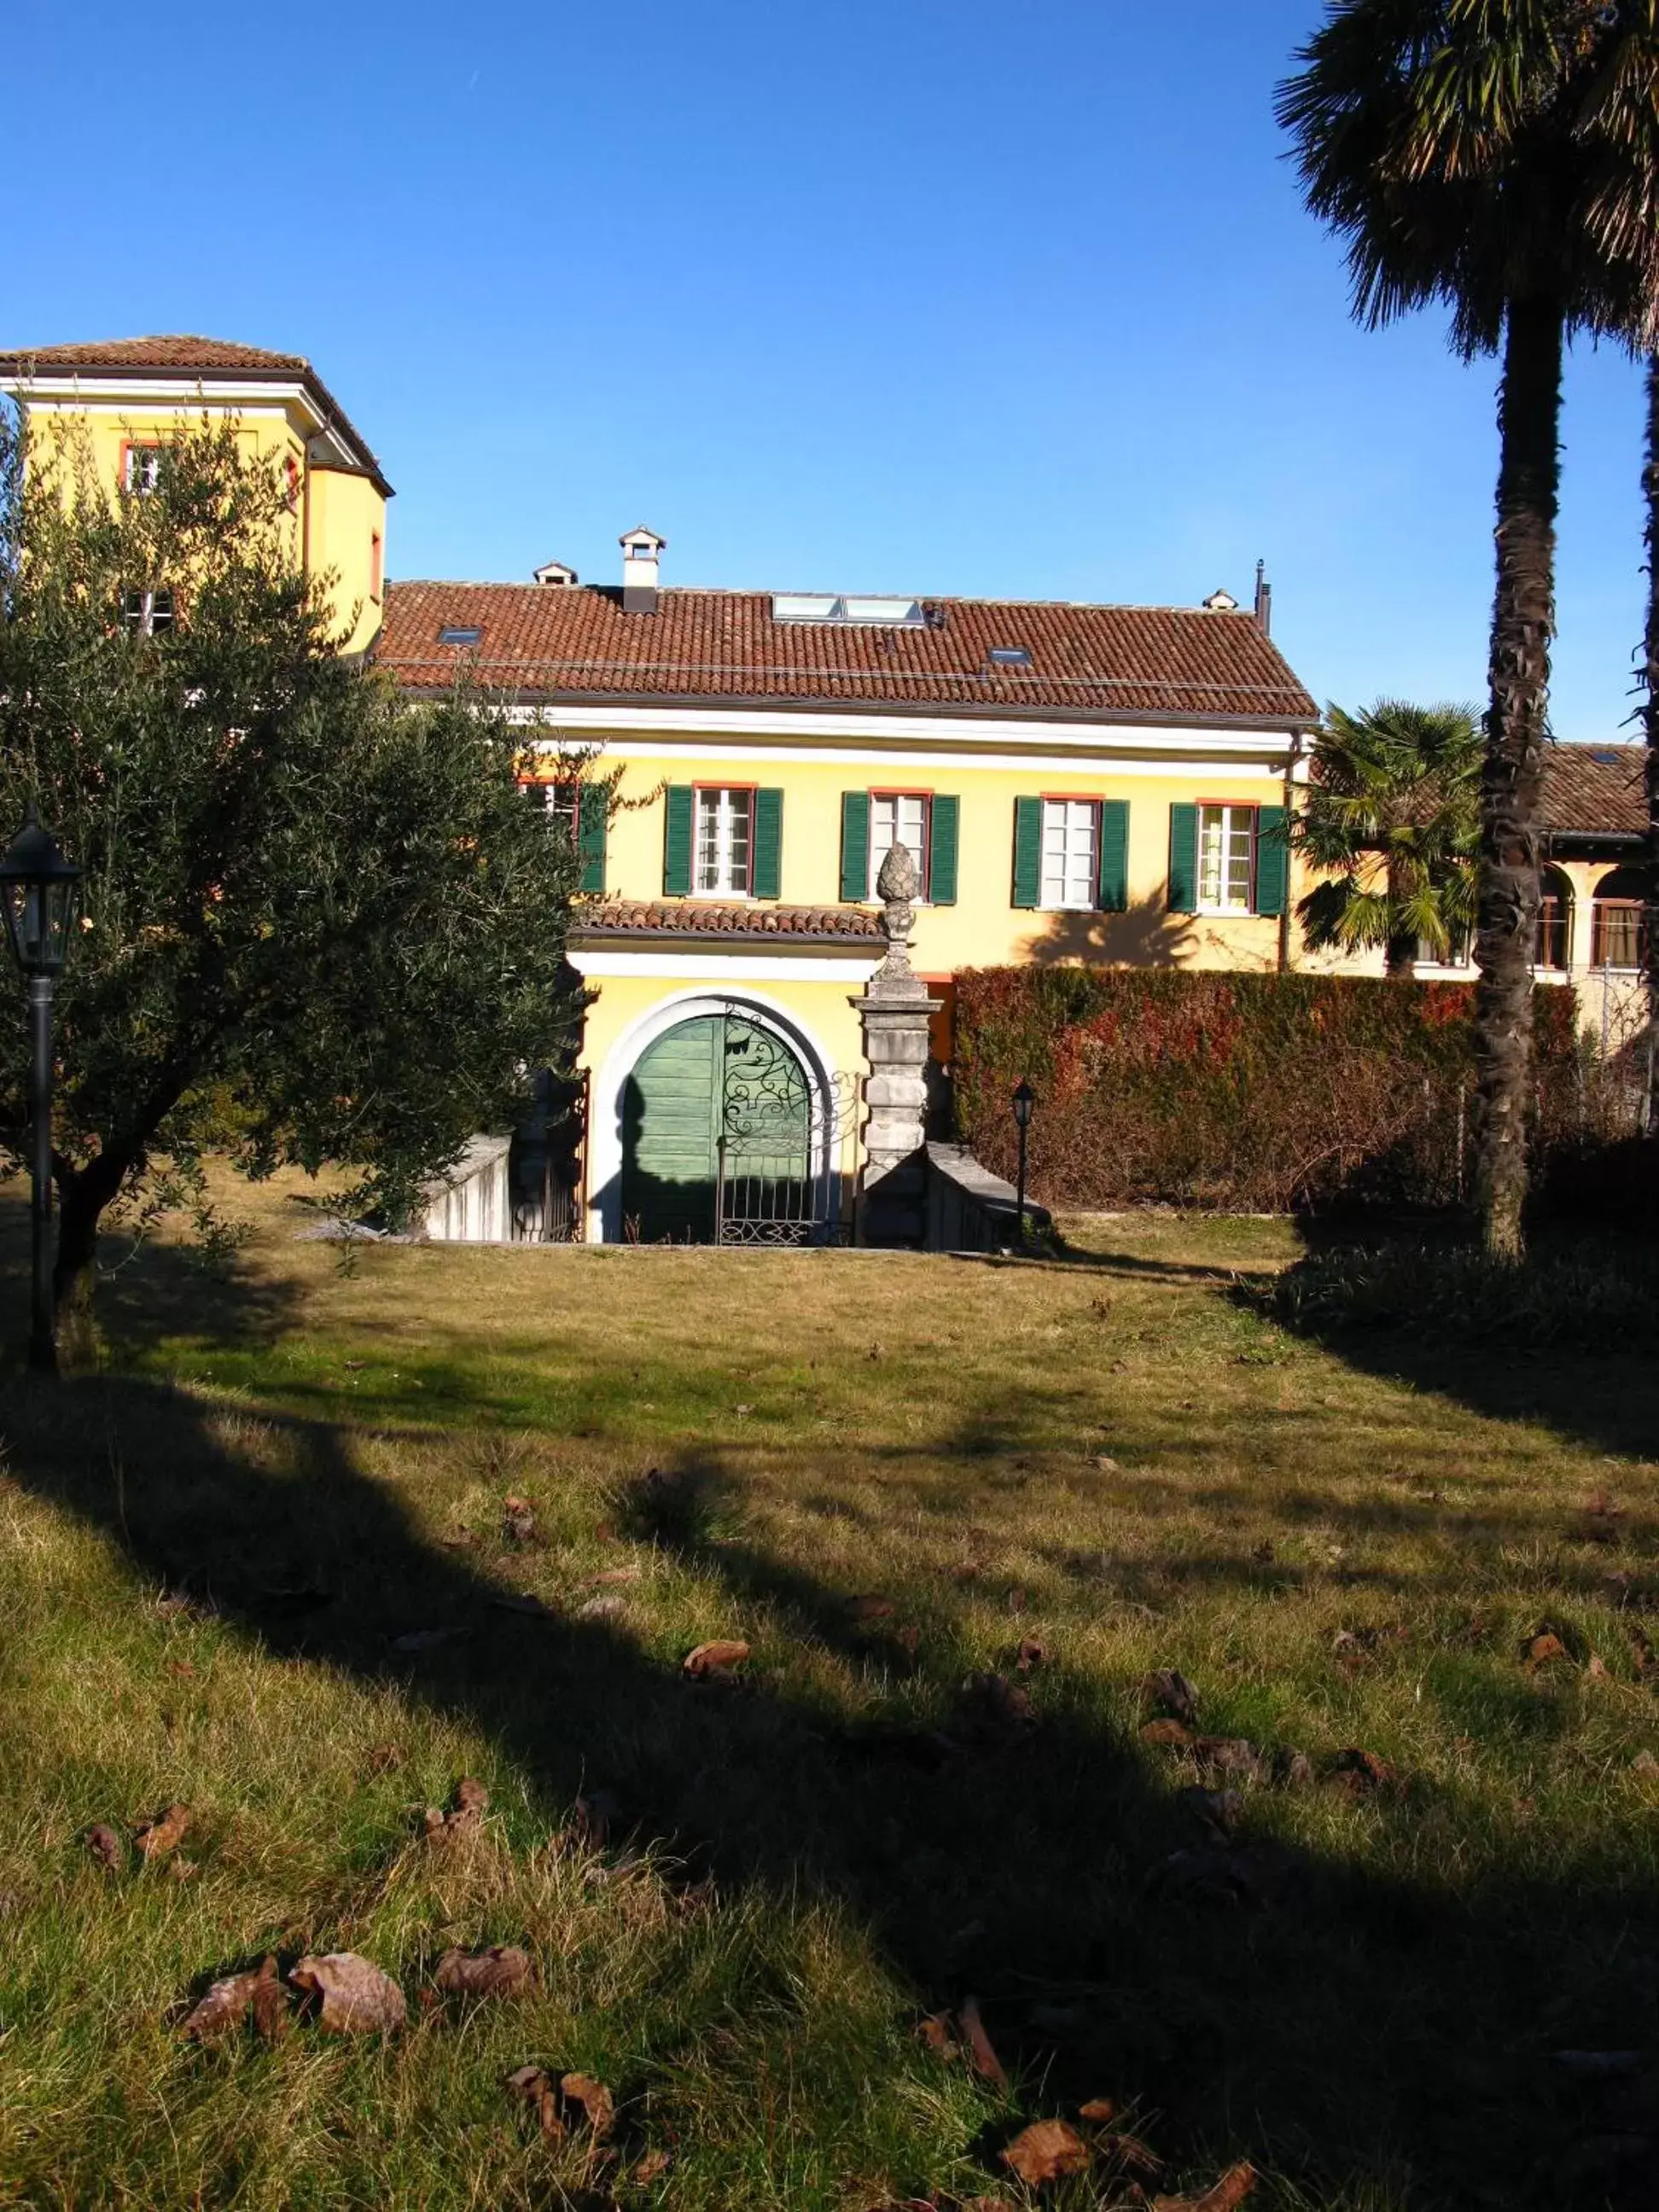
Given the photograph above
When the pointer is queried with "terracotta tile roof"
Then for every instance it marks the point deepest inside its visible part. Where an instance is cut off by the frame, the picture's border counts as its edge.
(187, 355)
(1591, 789)
(707, 918)
(1121, 663)
(162, 352)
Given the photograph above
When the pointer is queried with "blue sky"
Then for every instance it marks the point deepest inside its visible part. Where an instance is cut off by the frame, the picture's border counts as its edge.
(872, 295)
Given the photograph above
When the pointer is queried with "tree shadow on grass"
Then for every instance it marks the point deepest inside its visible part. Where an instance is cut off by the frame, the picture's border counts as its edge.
(1608, 1401)
(1382, 2039)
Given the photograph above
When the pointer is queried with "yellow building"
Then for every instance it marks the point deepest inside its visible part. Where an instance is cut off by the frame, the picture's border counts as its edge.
(1075, 782)
(132, 395)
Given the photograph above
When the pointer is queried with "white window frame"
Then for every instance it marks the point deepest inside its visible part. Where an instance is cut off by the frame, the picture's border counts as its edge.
(718, 797)
(139, 610)
(878, 852)
(1228, 809)
(142, 472)
(1090, 899)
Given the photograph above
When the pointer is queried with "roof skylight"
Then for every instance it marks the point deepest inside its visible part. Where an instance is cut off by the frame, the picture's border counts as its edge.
(883, 612)
(458, 634)
(1011, 656)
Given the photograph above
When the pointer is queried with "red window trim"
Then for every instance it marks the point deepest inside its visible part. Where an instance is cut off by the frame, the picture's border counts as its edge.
(910, 791)
(1253, 808)
(748, 891)
(138, 445)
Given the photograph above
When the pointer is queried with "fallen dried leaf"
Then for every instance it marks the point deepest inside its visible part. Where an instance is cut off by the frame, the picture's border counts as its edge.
(1045, 2151)
(155, 1838)
(1131, 2154)
(1596, 1668)
(602, 1608)
(525, 1601)
(980, 2053)
(271, 2016)
(1033, 1652)
(1106, 1465)
(497, 1971)
(935, 2032)
(106, 1845)
(592, 2096)
(384, 1758)
(518, 1524)
(358, 1999)
(1097, 2109)
(1358, 1771)
(182, 1667)
(1644, 1764)
(714, 1658)
(222, 2011)
(426, 1639)
(1234, 2186)
(183, 1869)
(1164, 1691)
(994, 1707)
(652, 2167)
(1231, 1754)
(1167, 1734)
(535, 2084)
(1544, 1650)
(613, 1575)
(870, 1607)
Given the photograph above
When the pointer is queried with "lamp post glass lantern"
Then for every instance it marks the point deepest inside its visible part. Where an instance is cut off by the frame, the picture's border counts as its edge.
(38, 888)
(1025, 1099)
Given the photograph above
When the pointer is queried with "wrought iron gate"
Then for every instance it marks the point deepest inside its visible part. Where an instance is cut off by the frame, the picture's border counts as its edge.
(779, 1144)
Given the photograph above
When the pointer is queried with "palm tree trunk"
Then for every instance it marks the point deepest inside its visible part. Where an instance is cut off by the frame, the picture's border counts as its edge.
(1523, 625)
(1651, 730)
(1400, 953)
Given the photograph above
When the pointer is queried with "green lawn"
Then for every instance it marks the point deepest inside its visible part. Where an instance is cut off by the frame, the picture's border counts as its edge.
(212, 1556)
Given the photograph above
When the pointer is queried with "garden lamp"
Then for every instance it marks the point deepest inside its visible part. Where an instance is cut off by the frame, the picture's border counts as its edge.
(1025, 1099)
(38, 891)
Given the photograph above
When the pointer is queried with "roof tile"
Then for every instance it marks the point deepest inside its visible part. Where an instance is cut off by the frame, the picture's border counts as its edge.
(1124, 664)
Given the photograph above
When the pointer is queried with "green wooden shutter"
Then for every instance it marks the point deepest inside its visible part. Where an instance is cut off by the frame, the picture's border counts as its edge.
(855, 845)
(1028, 851)
(1273, 860)
(767, 873)
(1113, 897)
(1183, 859)
(592, 824)
(943, 813)
(677, 842)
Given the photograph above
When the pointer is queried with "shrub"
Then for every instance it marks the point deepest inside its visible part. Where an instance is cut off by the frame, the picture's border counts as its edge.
(1245, 1091)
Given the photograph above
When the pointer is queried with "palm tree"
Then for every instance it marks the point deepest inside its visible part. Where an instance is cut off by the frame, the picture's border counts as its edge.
(1437, 137)
(1392, 822)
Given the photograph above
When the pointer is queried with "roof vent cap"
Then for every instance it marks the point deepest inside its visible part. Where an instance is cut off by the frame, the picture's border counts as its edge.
(1221, 603)
(558, 572)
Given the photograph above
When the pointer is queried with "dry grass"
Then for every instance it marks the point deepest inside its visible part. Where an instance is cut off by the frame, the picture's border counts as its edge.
(1116, 1457)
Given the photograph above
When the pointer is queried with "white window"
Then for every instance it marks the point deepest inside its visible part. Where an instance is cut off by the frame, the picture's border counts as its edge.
(144, 467)
(1226, 859)
(1071, 852)
(898, 819)
(148, 612)
(724, 841)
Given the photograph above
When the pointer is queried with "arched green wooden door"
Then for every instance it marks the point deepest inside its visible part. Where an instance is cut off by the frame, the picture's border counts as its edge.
(715, 1084)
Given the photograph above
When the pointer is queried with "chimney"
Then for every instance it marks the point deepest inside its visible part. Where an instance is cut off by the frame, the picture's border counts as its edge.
(1264, 600)
(641, 548)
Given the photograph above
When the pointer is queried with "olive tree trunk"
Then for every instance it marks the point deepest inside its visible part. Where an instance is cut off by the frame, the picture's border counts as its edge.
(1650, 730)
(1523, 622)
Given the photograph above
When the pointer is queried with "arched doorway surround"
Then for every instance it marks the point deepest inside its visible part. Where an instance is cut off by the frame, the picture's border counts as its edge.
(616, 1101)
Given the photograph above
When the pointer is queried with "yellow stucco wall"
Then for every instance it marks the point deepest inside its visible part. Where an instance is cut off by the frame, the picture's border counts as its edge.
(337, 514)
(984, 928)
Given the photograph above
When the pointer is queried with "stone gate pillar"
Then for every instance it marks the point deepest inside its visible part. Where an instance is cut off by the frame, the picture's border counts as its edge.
(895, 1011)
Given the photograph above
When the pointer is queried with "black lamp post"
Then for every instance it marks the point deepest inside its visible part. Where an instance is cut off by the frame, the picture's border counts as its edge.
(1025, 1099)
(37, 889)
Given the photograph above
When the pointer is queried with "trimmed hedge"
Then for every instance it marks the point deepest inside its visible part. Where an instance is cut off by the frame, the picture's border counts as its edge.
(1244, 1092)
